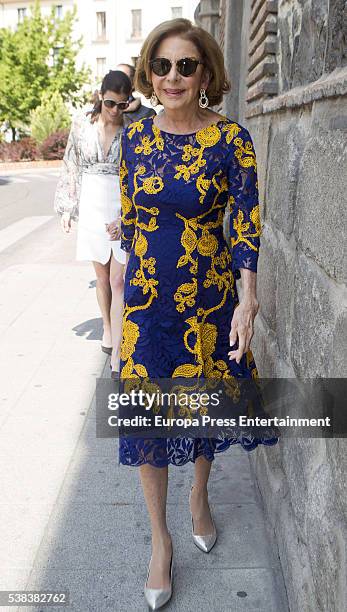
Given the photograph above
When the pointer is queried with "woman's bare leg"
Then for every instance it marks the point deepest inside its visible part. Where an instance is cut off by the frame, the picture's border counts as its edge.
(103, 295)
(117, 289)
(199, 499)
(154, 483)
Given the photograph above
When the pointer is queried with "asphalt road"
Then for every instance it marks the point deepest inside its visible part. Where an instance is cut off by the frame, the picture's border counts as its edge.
(25, 193)
(29, 228)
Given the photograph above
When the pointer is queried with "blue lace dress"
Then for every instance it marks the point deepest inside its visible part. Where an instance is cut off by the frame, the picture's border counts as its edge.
(180, 290)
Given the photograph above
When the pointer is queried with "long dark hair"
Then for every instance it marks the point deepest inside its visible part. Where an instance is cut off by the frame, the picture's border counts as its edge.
(116, 81)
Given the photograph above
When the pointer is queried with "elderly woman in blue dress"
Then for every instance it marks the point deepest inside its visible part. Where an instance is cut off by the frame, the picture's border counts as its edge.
(182, 317)
(88, 191)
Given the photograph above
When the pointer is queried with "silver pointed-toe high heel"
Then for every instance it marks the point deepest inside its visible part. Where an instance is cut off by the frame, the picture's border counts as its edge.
(203, 542)
(157, 598)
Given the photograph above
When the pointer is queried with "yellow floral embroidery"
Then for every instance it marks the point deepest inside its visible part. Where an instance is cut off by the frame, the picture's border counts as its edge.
(131, 331)
(245, 153)
(231, 129)
(186, 294)
(189, 152)
(189, 370)
(126, 203)
(207, 245)
(207, 137)
(131, 334)
(146, 146)
(242, 228)
(202, 185)
(205, 333)
(137, 126)
(153, 185)
(213, 277)
(205, 339)
(255, 218)
(146, 270)
(188, 241)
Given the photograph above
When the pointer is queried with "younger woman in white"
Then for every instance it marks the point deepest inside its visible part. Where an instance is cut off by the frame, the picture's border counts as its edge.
(88, 191)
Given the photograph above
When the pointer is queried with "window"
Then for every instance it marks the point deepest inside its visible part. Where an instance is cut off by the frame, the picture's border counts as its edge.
(56, 52)
(101, 26)
(59, 11)
(136, 18)
(176, 12)
(21, 14)
(100, 67)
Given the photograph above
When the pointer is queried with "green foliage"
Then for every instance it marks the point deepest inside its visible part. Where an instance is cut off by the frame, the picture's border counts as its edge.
(51, 116)
(27, 69)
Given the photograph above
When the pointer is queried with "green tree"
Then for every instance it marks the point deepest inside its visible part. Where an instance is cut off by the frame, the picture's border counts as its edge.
(38, 57)
(64, 77)
(51, 116)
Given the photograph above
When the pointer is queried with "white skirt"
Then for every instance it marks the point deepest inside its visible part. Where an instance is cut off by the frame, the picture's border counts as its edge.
(99, 204)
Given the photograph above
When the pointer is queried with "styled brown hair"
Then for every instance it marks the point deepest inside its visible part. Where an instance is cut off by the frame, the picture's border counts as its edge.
(211, 56)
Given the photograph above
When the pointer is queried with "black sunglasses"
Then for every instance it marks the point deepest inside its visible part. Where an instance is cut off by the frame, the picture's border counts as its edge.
(112, 104)
(185, 66)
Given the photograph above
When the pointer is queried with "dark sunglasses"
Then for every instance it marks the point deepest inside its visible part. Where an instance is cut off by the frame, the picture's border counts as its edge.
(112, 104)
(185, 66)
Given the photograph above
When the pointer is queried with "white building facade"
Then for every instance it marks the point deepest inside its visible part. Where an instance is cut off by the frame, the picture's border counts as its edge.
(113, 31)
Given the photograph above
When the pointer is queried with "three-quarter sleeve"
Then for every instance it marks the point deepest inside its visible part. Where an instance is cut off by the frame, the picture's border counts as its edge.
(128, 211)
(68, 188)
(245, 224)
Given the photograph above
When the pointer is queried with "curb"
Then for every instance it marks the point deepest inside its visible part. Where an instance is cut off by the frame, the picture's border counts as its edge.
(53, 163)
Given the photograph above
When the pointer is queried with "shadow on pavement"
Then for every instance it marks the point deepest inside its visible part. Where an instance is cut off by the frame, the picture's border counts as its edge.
(97, 542)
(90, 329)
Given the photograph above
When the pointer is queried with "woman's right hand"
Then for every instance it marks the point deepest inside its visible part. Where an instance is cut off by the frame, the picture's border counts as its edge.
(66, 222)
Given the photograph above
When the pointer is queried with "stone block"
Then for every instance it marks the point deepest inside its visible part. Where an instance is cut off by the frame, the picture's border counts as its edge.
(320, 221)
(326, 542)
(300, 458)
(285, 256)
(295, 562)
(281, 494)
(337, 458)
(316, 308)
(336, 53)
(265, 349)
(338, 368)
(266, 467)
(302, 30)
(282, 177)
(266, 280)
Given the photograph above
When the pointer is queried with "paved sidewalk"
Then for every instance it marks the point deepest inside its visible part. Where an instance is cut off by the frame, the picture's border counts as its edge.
(49, 358)
(70, 516)
(97, 541)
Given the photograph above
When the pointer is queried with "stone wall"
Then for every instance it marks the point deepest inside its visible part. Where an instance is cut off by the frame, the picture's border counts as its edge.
(301, 331)
(300, 137)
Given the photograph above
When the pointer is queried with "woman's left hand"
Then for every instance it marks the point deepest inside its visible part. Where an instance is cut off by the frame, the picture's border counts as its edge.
(242, 327)
(113, 229)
